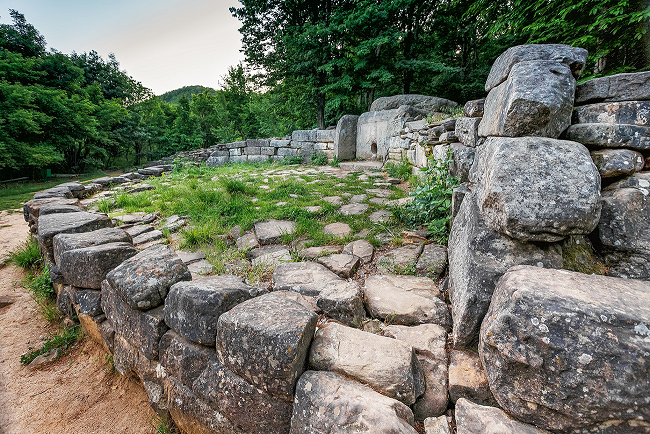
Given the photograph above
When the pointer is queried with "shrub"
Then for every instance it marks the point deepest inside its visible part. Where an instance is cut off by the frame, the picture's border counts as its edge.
(27, 255)
(401, 170)
(431, 203)
(318, 159)
(287, 161)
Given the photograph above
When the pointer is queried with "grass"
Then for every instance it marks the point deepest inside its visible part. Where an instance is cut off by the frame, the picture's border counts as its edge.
(161, 425)
(63, 340)
(27, 255)
(13, 197)
(218, 198)
(402, 170)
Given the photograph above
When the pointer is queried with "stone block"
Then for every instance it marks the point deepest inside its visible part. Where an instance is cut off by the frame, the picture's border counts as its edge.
(252, 150)
(257, 143)
(617, 162)
(474, 108)
(304, 136)
(619, 87)
(625, 112)
(287, 152)
(267, 150)
(473, 418)
(345, 138)
(610, 136)
(280, 143)
(184, 360)
(88, 266)
(217, 161)
(306, 278)
(67, 223)
(63, 242)
(467, 131)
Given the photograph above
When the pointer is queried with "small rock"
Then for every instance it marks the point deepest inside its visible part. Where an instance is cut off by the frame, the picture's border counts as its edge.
(473, 418)
(436, 425)
(190, 257)
(361, 248)
(201, 268)
(358, 198)
(339, 230)
(147, 237)
(334, 200)
(271, 232)
(432, 261)
(272, 259)
(343, 265)
(247, 242)
(343, 301)
(354, 209)
(381, 216)
(44, 358)
(467, 378)
(306, 278)
(401, 260)
(311, 253)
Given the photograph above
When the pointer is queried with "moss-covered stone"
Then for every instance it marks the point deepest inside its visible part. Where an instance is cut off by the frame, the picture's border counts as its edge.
(578, 255)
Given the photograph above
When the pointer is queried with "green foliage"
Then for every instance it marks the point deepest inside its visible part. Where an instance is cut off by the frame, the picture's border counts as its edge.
(27, 255)
(401, 170)
(173, 96)
(432, 200)
(287, 161)
(318, 159)
(62, 341)
(40, 286)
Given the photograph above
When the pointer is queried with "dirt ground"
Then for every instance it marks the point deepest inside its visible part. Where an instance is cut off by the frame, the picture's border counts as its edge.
(77, 393)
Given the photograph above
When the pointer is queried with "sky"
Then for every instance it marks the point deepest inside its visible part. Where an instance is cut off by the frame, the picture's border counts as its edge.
(164, 44)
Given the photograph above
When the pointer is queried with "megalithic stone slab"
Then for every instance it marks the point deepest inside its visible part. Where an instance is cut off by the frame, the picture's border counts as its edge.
(424, 103)
(306, 278)
(619, 87)
(327, 402)
(193, 308)
(617, 162)
(575, 58)
(67, 223)
(473, 418)
(535, 188)
(183, 359)
(535, 100)
(265, 340)
(565, 350)
(64, 242)
(271, 231)
(144, 279)
(478, 257)
(345, 138)
(387, 365)
(88, 266)
(625, 112)
(610, 136)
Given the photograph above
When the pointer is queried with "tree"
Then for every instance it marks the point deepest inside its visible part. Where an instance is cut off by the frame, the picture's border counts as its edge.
(21, 37)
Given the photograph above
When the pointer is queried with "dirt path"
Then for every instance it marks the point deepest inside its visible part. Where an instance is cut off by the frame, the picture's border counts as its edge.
(76, 394)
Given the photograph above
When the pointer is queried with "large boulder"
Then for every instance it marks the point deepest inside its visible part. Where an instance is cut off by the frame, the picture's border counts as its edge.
(536, 189)
(31, 208)
(610, 136)
(345, 139)
(326, 402)
(535, 100)
(248, 407)
(424, 103)
(624, 224)
(68, 223)
(575, 58)
(64, 242)
(193, 308)
(265, 340)
(141, 329)
(619, 87)
(478, 257)
(405, 300)
(144, 279)
(566, 350)
(473, 418)
(183, 359)
(376, 129)
(88, 266)
(387, 365)
(626, 112)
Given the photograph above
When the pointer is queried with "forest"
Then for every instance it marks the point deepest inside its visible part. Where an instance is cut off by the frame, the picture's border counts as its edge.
(307, 63)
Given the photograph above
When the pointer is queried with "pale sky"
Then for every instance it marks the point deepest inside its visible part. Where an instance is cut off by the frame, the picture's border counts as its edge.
(164, 44)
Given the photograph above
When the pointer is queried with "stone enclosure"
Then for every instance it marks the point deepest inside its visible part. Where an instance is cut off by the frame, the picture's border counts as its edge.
(512, 341)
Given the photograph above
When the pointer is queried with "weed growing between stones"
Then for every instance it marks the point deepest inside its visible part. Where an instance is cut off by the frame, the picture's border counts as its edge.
(318, 159)
(62, 342)
(27, 255)
(161, 425)
(401, 170)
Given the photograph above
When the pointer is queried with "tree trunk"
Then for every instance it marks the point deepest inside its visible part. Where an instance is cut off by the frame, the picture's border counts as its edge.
(320, 112)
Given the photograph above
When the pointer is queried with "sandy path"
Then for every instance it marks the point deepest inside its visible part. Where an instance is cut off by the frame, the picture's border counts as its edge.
(76, 394)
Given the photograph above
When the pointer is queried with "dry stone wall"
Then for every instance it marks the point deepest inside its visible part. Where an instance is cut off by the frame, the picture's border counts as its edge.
(529, 347)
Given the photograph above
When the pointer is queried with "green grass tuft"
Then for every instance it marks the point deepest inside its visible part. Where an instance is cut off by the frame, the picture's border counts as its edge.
(27, 255)
(63, 340)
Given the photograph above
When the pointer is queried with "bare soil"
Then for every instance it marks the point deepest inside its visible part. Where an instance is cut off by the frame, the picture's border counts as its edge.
(75, 394)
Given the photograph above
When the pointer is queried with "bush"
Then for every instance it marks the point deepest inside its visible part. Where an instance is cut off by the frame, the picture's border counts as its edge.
(287, 161)
(27, 256)
(431, 203)
(318, 159)
(401, 170)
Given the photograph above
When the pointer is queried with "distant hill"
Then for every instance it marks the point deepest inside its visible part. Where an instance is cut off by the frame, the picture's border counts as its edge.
(173, 96)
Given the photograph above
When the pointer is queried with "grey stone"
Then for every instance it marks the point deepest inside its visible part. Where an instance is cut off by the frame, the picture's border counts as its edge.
(271, 231)
(474, 108)
(478, 257)
(287, 152)
(354, 209)
(400, 260)
(267, 150)
(58, 208)
(624, 223)
(258, 159)
(467, 379)
(182, 359)
(65, 301)
(379, 192)
(265, 340)
(467, 131)
(247, 242)
(610, 136)
(88, 302)
(457, 196)
(87, 267)
(436, 425)
(405, 300)
(147, 237)
(257, 143)
(590, 327)
(381, 216)
(448, 137)
(387, 365)
(190, 257)
(252, 150)
(272, 259)
(536, 189)
(424, 103)
(375, 130)
(141, 329)
(463, 159)
(280, 143)
(574, 58)
(358, 198)
(339, 230)
(334, 200)
(59, 192)
(429, 342)
(144, 279)
(64, 242)
(200, 268)
(239, 158)
(343, 265)
(327, 135)
(625, 112)
(68, 223)
(193, 308)
(306, 278)
(245, 405)
(304, 136)
(316, 252)
(432, 262)
(141, 187)
(619, 87)
(217, 161)
(473, 418)
(220, 153)
(31, 209)
(361, 248)
(617, 162)
(342, 301)
(327, 402)
(345, 139)
(136, 230)
(535, 100)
